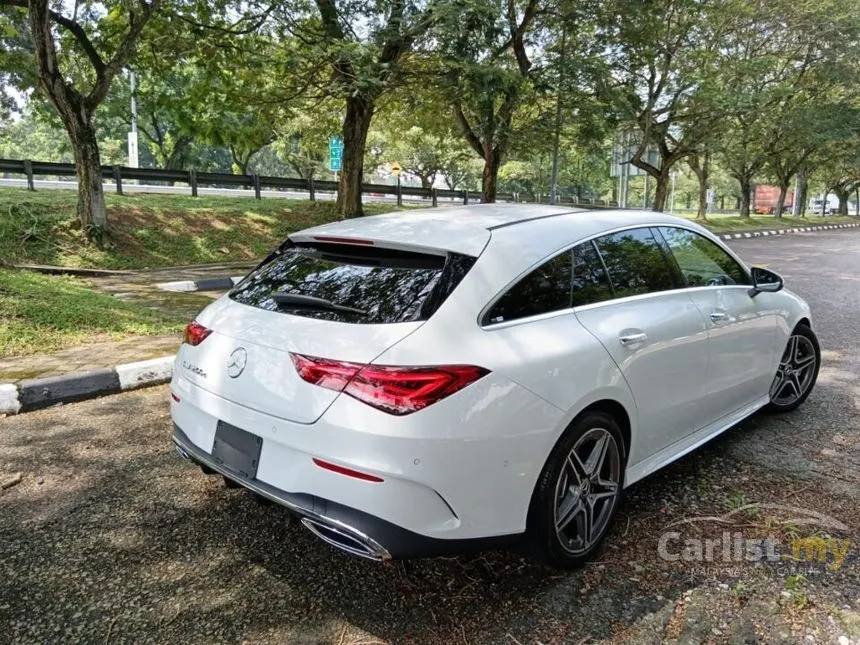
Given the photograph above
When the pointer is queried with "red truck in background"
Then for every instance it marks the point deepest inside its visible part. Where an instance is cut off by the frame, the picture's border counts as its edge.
(766, 197)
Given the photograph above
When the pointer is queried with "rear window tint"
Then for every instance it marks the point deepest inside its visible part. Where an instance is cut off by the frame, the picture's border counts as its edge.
(544, 290)
(390, 286)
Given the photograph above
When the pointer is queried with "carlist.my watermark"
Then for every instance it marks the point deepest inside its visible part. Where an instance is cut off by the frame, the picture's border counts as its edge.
(733, 546)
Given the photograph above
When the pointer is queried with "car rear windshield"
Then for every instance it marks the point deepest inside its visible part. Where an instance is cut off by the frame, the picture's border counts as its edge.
(382, 285)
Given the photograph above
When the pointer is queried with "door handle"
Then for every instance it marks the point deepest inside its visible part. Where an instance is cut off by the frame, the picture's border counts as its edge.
(719, 316)
(632, 339)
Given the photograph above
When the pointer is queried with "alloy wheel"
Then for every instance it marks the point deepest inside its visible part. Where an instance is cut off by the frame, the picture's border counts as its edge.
(796, 371)
(587, 490)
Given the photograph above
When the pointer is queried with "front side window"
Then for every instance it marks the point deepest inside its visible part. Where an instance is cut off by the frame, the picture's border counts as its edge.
(545, 289)
(636, 263)
(702, 263)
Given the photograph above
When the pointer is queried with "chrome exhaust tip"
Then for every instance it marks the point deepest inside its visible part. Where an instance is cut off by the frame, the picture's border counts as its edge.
(181, 451)
(347, 539)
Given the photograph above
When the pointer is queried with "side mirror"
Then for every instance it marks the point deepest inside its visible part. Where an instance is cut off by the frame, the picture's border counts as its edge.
(765, 280)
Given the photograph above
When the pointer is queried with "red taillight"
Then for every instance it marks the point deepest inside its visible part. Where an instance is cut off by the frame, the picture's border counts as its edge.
(396, 390)
(401, 390)
(333, 375)
(195, 333)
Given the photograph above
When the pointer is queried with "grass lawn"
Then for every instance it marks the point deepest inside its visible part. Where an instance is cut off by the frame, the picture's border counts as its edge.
(151, 230)
(44, 313)
(159, 230)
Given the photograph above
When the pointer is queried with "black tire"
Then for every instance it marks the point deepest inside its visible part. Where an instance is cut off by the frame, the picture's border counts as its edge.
(543, 539)
(809, 341)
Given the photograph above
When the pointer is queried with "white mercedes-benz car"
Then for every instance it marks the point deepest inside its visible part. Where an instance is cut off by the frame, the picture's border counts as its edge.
(433, 381)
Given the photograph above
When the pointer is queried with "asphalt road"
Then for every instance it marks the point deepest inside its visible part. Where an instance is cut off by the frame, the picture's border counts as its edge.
(111, 538)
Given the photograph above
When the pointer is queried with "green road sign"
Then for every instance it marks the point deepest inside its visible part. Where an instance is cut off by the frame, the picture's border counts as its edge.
(335, 154)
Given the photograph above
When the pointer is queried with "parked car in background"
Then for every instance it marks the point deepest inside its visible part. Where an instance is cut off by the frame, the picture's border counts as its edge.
(832, 207)
(428, 382)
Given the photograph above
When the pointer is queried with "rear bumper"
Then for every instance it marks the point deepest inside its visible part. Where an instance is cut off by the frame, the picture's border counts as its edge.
(346, 528)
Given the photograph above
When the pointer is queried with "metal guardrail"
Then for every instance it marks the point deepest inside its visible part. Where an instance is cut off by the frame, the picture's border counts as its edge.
(195, 179)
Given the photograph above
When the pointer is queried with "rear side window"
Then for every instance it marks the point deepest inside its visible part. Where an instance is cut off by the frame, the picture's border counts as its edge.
(385, 285)
(636, 263)
(545, 289)
(590, 283)
(702, 262)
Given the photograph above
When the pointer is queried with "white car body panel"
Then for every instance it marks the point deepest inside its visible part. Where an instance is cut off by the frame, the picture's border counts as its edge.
(666, 371)
(466, 466)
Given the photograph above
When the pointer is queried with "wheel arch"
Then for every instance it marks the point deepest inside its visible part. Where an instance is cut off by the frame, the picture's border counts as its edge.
(618, 412)
(618, 404)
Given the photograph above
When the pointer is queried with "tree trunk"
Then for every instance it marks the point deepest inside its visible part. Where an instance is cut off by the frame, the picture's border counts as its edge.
(703, 174)
(91, 198)
(490, 175)
(702, 213)
(800, 197)
(780, 202)
(842, 196)
(824, 208)
(661, 192)
(427, 181)
(359, 113)
(746, 190)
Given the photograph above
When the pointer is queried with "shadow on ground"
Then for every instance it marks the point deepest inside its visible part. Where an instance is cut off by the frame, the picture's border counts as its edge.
(121, 536)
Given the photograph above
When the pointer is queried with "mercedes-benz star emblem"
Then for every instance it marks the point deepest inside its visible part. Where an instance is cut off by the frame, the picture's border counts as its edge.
(236, 362)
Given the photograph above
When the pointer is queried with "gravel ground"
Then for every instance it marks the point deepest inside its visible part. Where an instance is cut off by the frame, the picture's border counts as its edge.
(111, 538)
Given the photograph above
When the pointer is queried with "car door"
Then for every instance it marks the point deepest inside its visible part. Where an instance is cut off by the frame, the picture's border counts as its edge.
(656, 335)
(741, 328)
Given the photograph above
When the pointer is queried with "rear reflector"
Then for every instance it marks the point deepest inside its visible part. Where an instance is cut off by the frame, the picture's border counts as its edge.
(396, 390)
(195, 333)
(349, 472)
(174, 397)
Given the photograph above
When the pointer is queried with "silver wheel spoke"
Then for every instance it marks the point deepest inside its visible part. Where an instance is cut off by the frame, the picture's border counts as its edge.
(795, 384)
(566, 514)
(788, 357)
(595, 459)
(608, 485)
(795, 349)
(576, 466)
(804, 361)
(596, 497)
(585, 525)
(778, 384)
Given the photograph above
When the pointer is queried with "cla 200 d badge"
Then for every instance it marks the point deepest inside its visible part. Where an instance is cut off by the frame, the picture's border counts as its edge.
(193, 369)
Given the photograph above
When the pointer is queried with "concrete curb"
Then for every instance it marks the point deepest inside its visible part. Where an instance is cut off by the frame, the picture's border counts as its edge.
(34, 394)
(783, 231)
(206, 284)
